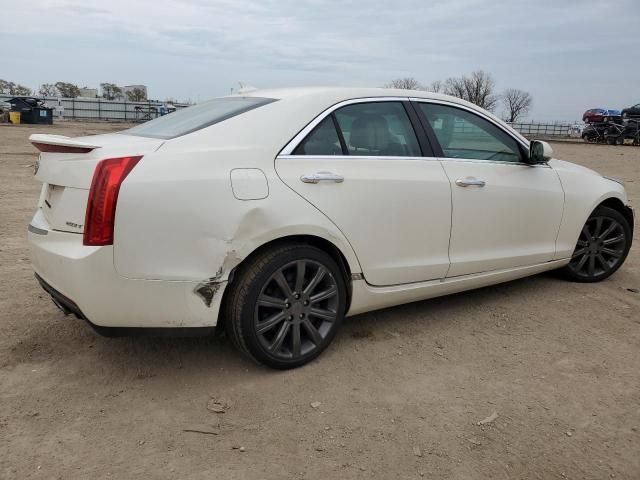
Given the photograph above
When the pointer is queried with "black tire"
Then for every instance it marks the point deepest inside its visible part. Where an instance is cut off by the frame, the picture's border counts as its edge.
(263, 320)
(602, 247)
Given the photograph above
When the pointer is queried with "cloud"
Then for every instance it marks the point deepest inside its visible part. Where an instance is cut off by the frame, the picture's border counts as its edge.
(210, 44)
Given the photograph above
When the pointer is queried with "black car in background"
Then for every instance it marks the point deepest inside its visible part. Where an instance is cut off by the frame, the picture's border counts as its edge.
(631, 112)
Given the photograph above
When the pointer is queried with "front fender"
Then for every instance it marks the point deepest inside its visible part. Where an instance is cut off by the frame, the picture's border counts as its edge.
(584, 190)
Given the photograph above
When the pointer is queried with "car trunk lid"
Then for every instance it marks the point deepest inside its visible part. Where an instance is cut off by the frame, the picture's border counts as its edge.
(66, 166)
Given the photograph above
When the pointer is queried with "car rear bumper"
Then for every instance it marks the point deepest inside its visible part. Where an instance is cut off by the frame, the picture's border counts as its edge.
(82, 280)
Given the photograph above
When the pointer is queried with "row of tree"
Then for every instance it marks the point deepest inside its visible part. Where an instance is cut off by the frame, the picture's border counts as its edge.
(110, 91)
(480, 88)
(11, 88)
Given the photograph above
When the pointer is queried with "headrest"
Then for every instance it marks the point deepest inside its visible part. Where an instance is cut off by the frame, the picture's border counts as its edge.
(370, 132)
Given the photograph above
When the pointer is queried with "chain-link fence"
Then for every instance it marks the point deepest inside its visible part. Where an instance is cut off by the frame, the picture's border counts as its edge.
(532, 130)
(123, 111)
(101, 109)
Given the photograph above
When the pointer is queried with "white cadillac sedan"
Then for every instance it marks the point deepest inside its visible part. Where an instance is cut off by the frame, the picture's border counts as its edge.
(277, 213)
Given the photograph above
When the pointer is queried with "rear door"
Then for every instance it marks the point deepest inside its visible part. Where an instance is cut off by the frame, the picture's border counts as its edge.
(368, 169)
(506, 213)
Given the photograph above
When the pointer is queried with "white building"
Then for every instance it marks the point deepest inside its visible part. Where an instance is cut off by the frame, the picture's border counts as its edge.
(130, 88)
(86, 92)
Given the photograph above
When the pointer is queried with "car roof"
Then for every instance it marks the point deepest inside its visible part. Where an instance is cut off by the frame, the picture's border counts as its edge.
(333, 94)
(298, 106)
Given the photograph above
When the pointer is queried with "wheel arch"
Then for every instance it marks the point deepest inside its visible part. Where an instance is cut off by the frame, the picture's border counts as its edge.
(299, 239)
(618, 205)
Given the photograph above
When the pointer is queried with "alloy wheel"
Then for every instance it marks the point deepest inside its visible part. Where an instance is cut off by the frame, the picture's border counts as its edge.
(296, 309)
(600, 248)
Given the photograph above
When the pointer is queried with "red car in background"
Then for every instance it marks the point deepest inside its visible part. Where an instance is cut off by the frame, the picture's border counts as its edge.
(597, 115)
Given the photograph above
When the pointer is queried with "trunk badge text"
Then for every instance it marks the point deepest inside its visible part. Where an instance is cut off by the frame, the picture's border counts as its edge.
(73, 225)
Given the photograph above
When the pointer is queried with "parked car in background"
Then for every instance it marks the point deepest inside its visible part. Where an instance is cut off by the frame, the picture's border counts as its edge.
(631, 112)
(596, 115)
(277, 213)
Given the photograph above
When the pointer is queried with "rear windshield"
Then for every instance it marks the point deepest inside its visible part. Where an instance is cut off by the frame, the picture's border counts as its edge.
(197, 117)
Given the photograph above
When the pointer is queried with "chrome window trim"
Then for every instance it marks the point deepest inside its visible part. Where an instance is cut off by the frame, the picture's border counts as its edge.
(354, 157)
(494, 162)
(521, 141)
(288, 150)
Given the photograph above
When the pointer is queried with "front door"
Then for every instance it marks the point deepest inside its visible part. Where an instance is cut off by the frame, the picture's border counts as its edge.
(363, 166)
(506, 213)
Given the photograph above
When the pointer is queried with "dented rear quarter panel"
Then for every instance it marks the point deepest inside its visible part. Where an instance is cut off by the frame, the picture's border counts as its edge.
(178, 218)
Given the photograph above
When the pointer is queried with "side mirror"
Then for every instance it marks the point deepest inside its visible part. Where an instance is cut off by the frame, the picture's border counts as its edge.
(539, 152)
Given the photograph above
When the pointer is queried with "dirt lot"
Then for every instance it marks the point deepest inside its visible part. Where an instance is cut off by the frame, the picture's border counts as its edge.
(401, 391)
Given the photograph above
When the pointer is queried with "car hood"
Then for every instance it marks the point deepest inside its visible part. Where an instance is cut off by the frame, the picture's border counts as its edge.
(572, 167)
(587, 178)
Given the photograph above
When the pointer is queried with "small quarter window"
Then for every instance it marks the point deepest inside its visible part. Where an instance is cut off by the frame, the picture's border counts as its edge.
(323, 140)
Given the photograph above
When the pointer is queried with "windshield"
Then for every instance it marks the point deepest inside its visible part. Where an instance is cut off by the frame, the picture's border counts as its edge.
(197, 117)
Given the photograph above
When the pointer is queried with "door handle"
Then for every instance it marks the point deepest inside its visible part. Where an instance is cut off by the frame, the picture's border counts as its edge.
(470, 182)
(322, 176)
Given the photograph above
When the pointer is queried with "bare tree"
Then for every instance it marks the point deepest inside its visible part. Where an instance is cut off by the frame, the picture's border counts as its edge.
(516, 104)
(480, 90)
(476, 88)
(67, 90)
(48, 90)
(405, 83)
(136, 95)
(21, 91)
(455, 87)
(110, 91)
(12, 88)
(436, 86)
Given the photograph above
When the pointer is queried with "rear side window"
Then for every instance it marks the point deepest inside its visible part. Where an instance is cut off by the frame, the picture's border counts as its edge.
(197, 117)
(378, 129)
(373, 129)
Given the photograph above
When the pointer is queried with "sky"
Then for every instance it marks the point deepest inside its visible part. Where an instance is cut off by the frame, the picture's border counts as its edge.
(570, 55)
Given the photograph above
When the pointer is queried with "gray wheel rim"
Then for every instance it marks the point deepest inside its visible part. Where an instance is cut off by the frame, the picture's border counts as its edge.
(600, 247)
(296, 309)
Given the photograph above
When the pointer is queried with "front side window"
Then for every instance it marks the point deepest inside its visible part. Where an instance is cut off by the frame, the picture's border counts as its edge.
(197, 117)
(463, 134)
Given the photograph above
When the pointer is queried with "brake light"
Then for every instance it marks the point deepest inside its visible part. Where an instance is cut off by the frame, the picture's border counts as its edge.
(45, 147)
(103, 196)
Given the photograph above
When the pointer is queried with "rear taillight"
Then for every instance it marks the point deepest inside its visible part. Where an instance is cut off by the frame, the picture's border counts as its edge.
(103, 196)
(46, 147)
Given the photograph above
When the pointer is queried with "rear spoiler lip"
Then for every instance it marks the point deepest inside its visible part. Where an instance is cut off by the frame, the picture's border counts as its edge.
(41, 141)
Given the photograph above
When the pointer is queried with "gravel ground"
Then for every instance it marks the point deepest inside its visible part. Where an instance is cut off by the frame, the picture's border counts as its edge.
(537, 378)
